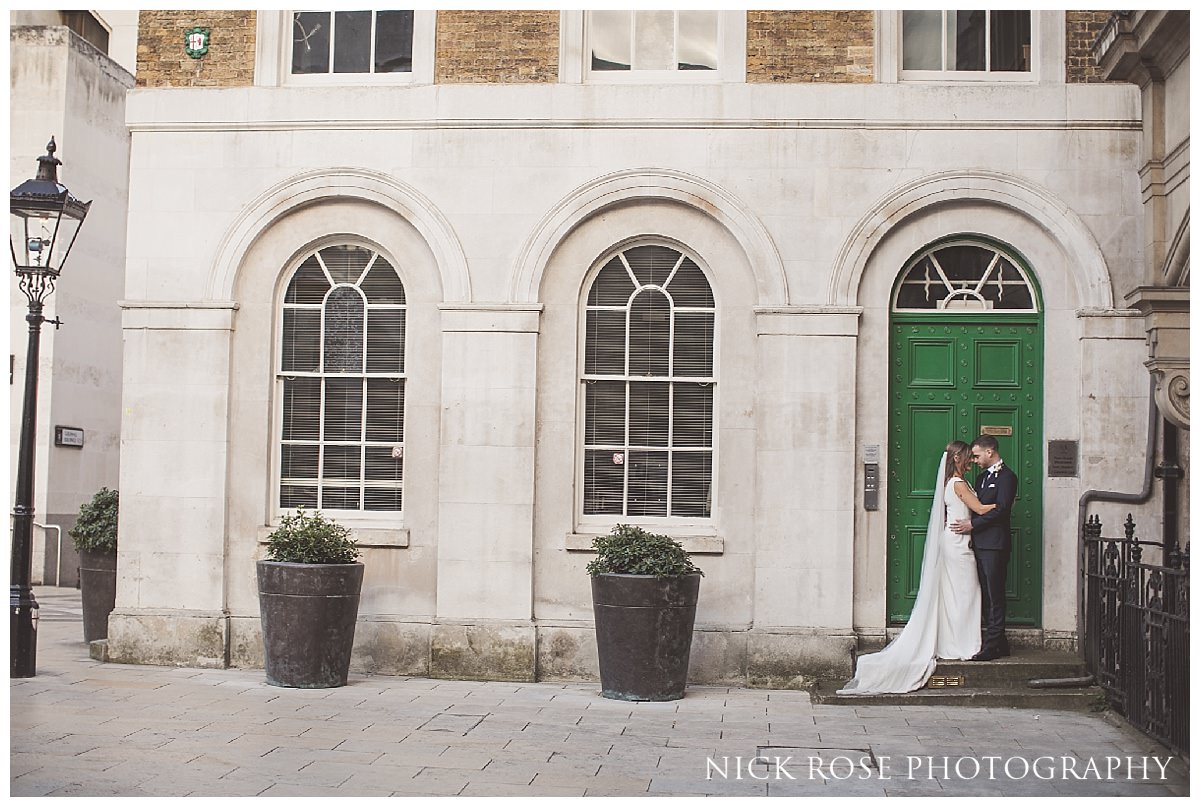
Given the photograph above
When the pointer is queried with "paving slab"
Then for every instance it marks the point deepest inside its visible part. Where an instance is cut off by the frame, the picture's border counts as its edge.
(87, 728)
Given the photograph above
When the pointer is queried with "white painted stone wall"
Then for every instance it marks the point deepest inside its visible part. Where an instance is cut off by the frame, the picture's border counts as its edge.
(803, 202)
(61, 86)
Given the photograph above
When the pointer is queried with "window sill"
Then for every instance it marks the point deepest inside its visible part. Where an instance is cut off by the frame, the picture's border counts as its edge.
(365, 536)
(693, 544)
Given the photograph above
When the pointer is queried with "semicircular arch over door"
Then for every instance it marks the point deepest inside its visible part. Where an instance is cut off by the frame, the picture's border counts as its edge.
(965, 357)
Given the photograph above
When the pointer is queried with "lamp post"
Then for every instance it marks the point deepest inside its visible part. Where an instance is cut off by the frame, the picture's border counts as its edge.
(45, 219)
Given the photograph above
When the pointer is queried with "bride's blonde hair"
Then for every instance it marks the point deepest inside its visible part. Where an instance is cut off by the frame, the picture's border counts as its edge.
(956, 452)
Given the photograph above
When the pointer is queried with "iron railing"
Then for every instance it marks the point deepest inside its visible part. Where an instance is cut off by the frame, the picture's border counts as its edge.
(1136, 630)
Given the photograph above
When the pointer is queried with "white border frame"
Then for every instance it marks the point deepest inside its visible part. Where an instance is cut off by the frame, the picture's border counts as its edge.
(1047, 35)
(573, 67)
(273, 56)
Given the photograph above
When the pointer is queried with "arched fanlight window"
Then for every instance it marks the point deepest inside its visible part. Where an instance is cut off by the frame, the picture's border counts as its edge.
(648, 380)
(341, 383)
(964, 276)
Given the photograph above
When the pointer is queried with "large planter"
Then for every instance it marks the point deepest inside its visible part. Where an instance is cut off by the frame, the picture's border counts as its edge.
(98, 585)
(644, 634)
(308, 615)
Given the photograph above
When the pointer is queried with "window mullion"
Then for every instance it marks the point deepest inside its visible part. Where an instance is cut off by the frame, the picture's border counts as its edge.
(670, 442)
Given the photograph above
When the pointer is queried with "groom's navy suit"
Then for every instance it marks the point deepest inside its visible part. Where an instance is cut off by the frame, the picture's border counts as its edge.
(991, 538)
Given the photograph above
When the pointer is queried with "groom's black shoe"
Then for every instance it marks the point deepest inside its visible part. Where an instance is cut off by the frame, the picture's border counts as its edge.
(987, 655)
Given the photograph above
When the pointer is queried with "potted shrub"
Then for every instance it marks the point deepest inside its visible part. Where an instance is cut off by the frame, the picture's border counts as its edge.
(644, 589)
(308, 592)
(95, 538)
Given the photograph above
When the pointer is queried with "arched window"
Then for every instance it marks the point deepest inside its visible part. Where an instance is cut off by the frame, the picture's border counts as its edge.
(962, 276)
(341, 383)
(648, 380)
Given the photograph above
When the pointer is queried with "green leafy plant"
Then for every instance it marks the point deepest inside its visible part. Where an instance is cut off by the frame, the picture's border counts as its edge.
(632, 550)
(311, 538)
(96, 527)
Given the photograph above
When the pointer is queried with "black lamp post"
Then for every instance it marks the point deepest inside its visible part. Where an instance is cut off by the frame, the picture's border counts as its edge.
(45, 220)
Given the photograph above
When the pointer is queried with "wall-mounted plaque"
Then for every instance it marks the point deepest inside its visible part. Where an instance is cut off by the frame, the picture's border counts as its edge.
(68, 436)
(997, 431)
(1062, 458)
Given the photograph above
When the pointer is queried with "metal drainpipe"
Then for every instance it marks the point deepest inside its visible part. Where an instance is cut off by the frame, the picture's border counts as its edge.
(1114, 496)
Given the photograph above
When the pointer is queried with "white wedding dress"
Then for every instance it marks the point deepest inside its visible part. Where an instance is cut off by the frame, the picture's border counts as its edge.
(945, 617)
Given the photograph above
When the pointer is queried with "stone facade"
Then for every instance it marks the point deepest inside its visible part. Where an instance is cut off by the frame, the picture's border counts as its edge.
(497, 47)
(161, 61)
(1082, 28)
(810, 46)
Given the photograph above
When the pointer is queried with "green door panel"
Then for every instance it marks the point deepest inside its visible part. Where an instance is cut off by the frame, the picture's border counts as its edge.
(951, 377)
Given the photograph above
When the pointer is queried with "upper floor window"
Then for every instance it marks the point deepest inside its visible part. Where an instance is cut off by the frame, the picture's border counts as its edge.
(988, 45)
(648, 381)
(963, 275)
(651, 46)
(341, 383)
(344, 47)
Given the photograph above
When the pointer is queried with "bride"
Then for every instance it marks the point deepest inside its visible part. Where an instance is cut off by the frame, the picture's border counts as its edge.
(945, 616)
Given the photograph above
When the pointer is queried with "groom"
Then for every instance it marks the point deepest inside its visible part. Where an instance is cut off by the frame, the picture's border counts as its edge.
(991, 539)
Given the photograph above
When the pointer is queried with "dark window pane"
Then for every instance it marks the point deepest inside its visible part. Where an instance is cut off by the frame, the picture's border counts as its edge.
(301, 408)
(344, 330)
(693, 344)
(393, 42)
(310, 42)
(689, 287)
(651, 264)
(352, 42)
(342, 463)
(604, 417)
(382, 466)
(604, 343)
(297, 496)
(693, 415)
(691, 484)
(382, 284)
(603, 482)
(308, 285)
(612, 285)
(385, 410)
(301, 340)
(340, 498)
(649, 334)
(649, 413)
(968, 31)
(385, 340)
(1010, 41)
(343, 408)
(298, 462)
(647, 483)
(384, 499)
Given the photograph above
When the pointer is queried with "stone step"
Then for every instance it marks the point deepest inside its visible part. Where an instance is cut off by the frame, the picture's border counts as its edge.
(1076, 698)
(1013, 671)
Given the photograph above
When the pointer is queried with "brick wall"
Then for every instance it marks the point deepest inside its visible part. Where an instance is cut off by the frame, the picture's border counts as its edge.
(161, 61)
(812, 46)
(496, 47)
(1082, 29)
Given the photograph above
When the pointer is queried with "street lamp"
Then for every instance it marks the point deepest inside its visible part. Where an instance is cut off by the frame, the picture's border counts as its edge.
(45, 219)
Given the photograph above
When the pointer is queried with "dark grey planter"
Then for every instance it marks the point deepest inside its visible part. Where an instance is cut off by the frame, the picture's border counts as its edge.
(98, 586)
(308, 615)
(644, 634)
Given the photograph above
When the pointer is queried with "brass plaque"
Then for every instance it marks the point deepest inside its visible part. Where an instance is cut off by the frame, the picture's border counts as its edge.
(997, 431)
(1062, 458)
(942, 681)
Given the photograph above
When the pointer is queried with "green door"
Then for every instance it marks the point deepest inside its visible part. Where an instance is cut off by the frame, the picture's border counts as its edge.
(965, 358)
(954, 376)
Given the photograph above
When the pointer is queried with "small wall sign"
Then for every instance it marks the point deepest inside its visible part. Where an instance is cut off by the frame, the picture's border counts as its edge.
(68, 436)
(1062, 457)
(195, 42)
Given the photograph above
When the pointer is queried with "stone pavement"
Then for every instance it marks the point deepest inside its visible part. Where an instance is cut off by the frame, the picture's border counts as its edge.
(91, 729)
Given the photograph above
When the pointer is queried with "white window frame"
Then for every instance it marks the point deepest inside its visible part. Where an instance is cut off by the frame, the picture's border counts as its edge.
(599, 523)
(351, 518)
(574, 64)
(273, 55)
(965, 289)
(1047, 60)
